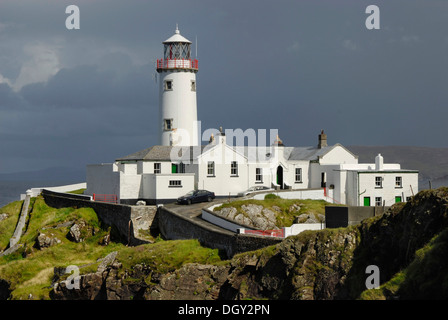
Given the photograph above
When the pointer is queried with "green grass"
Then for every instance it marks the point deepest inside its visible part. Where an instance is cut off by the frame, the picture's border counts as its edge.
(167, 256)
(8, 225)
(79, 191)
(32, 275)
(283, 208)
(30, 271)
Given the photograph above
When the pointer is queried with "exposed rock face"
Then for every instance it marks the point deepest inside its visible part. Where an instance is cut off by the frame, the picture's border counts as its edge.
(44, 241)
(325, 264)
(3, 216)
(255, 216)
(79, 231)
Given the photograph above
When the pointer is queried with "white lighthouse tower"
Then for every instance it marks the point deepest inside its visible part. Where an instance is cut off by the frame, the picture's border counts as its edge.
(177, 93)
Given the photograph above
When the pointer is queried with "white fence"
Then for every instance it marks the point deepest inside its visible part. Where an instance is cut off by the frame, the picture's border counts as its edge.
(34, 192)
(313, 194)
(208, 215)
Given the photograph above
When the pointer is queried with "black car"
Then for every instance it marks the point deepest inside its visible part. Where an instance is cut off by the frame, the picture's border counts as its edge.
(196, 196)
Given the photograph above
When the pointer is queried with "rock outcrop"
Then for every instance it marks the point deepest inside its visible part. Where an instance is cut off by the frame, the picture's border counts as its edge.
(252, 215)
(325, 264)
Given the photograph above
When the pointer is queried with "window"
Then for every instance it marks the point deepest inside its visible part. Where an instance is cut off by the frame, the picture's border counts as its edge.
(211, 169)
(157, 168)
(258, 175)
(168, 124)
(193, 85)
(378, 201)
(298, 175)
(398, 182)
(234, 169)
(378, 182)
(175, 183)
(168, 85)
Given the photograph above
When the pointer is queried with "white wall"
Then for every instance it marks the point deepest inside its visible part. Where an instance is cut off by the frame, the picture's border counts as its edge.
(101, 179)
(178, 104)
(300, 227)
(338, 155)
(313, 194)
(388, 191)
(223, 183)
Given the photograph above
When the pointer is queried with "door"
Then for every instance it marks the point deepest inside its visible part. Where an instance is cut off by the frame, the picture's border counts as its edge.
(366, 201)
(280, 176)
(173, 168)
(397, 199)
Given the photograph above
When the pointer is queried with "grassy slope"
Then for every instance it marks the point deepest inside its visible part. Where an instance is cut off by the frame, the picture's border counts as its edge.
(33, 273)
(286, 217)
(8, 225)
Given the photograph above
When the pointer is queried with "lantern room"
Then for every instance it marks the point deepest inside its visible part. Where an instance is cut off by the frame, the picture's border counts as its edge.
(177, 54)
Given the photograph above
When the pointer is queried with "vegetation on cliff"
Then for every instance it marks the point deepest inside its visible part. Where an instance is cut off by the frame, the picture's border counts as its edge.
(284, 211)
(48, 244)
(409, 245)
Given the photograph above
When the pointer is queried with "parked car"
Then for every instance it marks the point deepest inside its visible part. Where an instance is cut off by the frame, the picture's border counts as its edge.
(253, 189)
(196, 196)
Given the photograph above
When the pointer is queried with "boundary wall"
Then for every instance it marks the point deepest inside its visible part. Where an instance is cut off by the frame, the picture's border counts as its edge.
(210, 216)
(126, 219)
(176, 226)
(343, 216)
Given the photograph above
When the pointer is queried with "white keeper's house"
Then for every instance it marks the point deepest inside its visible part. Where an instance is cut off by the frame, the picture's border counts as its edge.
(162, 173)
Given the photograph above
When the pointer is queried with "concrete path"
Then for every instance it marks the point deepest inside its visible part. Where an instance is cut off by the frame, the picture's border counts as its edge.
(194, 212)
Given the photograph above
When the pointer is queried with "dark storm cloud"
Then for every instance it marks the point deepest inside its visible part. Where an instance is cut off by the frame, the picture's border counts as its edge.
(89, 95)
(93, 86)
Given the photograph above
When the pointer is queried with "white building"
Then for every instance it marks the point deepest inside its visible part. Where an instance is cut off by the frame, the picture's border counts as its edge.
(164, 172)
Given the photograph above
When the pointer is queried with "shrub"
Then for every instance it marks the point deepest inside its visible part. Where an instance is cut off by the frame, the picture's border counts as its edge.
(271, 196)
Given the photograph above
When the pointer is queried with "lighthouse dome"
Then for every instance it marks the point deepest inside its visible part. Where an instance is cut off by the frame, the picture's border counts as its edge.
(177, 37)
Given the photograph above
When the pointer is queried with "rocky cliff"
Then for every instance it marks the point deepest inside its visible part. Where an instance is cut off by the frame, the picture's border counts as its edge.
(408, 244)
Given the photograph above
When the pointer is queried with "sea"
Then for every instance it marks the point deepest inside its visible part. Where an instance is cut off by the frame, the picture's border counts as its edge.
(11, 190)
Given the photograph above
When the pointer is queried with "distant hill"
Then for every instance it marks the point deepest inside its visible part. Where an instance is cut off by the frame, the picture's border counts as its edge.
(53, 174)
(432, 163)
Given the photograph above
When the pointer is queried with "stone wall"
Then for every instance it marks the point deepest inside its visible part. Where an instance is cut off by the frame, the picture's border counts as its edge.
(343, 216)
(175, 226)
(126, 219)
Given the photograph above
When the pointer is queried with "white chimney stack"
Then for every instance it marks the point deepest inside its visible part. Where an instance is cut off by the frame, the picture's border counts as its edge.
(379, 162)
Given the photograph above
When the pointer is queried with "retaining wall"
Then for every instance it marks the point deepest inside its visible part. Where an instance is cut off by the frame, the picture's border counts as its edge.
(175, 226)
(126, 219)
(343, 216)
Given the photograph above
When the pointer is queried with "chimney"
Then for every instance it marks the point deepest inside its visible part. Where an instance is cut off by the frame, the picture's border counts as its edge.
(278, 142)
(379, 162)
(222, 136)
(212, 139)
(322, 140)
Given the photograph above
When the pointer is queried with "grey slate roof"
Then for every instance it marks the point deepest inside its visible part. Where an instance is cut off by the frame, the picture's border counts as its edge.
(163, 153)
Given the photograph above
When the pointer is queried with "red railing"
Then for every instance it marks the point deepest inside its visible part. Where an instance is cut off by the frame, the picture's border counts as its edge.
(327, 196)
(110, 198)
(177, 64)
(266, 233)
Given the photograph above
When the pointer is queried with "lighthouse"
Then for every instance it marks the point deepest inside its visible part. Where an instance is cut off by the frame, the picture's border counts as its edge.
(177, 93)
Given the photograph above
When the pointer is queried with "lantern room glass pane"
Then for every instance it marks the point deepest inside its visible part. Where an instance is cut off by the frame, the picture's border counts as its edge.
(177, 50)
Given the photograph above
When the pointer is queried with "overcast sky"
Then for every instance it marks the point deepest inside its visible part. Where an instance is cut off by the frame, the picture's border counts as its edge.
(76, 97)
